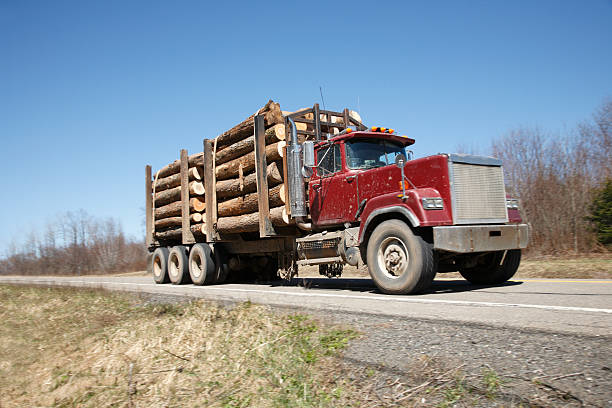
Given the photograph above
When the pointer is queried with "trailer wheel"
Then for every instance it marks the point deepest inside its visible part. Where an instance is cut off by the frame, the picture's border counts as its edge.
(221, 265)
(178, 269)
(495, 268)
(158, 265)
(399, 261)
(201, 264)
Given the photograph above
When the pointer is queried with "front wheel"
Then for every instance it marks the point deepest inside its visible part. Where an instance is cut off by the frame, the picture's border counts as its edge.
(399, 261)
(495, 267)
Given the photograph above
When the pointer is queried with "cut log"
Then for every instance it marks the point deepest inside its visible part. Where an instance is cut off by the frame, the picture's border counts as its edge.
(197, 204)
(249, 222)
(175, 166)
(242, 147)
(176, 221)
(168, 222)
(286, 217)
(248, 203)
(172, 209)
(231, 188)
(174, 194)
(175, 233)
(230, 169)
(175, 179)
(272, 116)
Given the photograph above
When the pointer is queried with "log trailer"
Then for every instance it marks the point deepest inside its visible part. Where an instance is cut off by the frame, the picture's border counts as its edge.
(348, 195)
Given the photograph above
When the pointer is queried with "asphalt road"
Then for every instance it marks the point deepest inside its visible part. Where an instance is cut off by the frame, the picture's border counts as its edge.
(573, 306)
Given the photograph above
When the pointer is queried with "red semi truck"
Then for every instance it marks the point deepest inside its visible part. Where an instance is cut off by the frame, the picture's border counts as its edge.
(358, 198)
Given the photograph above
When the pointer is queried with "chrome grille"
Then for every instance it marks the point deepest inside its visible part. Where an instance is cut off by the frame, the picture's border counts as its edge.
(478, 193)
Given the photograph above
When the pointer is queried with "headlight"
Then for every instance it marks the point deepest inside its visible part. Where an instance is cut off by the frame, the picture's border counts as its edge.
(432, 203)
(512, 204)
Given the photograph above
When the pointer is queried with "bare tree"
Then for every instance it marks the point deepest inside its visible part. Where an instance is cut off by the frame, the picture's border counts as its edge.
(554, 176)
(75, 243)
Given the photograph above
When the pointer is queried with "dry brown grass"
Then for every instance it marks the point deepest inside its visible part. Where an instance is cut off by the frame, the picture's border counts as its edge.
(63, 347)
(592, 267)
(86, 348)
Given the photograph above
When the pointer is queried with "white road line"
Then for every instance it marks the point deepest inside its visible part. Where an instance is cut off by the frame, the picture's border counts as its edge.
(311, 293)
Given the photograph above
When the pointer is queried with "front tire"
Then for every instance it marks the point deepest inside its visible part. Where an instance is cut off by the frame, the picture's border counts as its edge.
(399, 261)
(495, 268)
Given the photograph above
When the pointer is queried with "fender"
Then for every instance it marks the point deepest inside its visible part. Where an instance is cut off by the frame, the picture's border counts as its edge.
(405, 211)
(409, 207)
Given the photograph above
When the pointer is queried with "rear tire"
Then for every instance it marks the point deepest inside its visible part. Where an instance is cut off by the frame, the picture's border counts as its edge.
(201, 265)
(178, 269)
(496, 268)
(399, 261)
(159, 265)
(221, 265)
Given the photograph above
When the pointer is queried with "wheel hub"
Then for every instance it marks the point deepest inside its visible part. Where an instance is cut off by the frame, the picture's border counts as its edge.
(393, 257)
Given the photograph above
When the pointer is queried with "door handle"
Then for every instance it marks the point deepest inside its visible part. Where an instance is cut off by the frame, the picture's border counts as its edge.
(351, 178)
(316, 187)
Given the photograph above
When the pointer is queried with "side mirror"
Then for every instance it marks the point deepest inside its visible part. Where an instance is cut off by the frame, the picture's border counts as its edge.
(400, 160)
(309, 156)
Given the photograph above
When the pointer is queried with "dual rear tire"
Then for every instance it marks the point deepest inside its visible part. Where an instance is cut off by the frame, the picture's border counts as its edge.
(199, 265)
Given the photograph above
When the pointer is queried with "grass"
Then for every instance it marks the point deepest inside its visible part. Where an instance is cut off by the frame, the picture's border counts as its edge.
(592, 267)
(68, 347)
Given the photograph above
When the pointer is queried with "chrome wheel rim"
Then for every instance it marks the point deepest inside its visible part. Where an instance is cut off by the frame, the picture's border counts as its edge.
(392, 257)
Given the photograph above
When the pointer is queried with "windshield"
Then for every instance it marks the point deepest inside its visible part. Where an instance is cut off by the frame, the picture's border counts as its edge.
(367, 154)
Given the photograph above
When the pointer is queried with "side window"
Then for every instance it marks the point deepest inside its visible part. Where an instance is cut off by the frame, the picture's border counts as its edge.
(337, 159)
(329, 160)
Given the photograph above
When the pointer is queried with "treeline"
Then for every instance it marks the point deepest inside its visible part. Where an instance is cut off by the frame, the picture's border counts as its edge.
(75, 243)
(560, 180)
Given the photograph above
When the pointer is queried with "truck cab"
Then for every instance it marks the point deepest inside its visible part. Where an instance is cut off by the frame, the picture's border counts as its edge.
(407, 219)
(345, 162)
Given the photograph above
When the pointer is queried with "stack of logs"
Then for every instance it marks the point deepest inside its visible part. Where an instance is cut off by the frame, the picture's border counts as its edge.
(236, 186)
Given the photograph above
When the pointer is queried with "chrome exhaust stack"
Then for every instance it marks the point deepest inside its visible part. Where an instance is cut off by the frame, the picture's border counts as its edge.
(297, 201)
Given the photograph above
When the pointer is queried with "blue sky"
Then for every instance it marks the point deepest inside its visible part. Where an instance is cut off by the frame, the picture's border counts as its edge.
(91, 91)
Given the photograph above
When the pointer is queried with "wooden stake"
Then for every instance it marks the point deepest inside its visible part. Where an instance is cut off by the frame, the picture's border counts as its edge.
(149, 207)
(187, 235)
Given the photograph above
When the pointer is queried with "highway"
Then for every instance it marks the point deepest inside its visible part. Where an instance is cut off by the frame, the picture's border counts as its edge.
(582, 307)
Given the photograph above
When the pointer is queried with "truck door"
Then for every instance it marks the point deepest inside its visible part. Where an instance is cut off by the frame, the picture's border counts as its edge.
(332, 192)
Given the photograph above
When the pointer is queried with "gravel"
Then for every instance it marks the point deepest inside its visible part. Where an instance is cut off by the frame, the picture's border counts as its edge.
(529, 363)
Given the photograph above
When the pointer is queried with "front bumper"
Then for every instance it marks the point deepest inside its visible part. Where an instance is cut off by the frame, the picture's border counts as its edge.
(480, 238)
